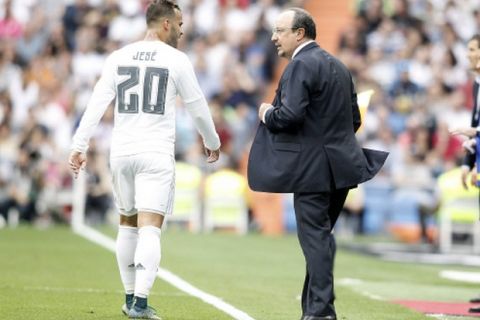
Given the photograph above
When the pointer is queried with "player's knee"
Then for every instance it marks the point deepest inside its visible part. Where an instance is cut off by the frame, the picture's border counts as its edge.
(129, 221)
(150, 219)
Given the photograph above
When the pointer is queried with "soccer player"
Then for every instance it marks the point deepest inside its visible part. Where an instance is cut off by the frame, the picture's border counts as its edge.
(145, 78)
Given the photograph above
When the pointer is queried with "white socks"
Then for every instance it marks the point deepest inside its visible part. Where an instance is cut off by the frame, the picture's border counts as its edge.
(127, 238)
(147, 259)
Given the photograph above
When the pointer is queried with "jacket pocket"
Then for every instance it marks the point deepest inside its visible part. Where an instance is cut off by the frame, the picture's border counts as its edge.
(287, 146)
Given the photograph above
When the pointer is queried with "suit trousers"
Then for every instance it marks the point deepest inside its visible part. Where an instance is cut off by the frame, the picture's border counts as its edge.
(316, 214)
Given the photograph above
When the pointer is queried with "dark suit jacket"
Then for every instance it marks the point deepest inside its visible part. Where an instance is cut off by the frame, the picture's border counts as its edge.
(469, 159)
(308, 143)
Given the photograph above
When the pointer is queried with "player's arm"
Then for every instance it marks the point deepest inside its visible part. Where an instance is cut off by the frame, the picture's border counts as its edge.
(466, 131)
(196, 104)
(102, 96)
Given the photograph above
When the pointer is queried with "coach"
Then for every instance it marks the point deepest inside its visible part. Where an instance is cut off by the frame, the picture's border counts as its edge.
(306, 144)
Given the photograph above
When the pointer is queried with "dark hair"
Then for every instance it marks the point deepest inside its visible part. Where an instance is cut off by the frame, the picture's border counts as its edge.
(451, 56)
(475, 37)
(159, 9)
(303, 19)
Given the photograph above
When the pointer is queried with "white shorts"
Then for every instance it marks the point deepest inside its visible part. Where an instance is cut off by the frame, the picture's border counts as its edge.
(143, 182)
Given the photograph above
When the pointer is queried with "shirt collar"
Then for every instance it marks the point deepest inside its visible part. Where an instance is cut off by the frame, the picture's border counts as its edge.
(300, 47)
(477, 78)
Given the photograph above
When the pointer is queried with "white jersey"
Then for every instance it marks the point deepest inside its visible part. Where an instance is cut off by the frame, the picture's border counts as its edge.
(145, 77)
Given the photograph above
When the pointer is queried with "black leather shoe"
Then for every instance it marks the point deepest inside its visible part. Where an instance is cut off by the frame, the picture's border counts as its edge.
(475, 300)
(474, 310)
(319, 318)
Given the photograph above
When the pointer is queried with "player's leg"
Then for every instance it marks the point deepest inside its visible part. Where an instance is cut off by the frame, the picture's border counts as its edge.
(154, 185)
(147, 261)
(127, 239)
(123, 183)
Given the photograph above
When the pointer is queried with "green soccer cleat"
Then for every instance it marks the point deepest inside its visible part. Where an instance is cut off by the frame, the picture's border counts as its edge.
(147, 313)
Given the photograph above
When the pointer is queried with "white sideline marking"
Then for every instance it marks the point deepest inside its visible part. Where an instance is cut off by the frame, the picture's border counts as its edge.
(464, 276)
(349, 282)
(167, 276)
(442, 316)
(354, 285)
(371, 295)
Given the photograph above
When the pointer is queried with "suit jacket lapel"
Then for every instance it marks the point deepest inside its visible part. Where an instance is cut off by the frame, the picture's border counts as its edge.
(278, 92)
(476, 107)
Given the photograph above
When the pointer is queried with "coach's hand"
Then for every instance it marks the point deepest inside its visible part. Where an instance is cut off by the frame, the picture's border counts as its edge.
(264, 107)
(473, 177)
(212, 155)
(464, 176)
(77, 161)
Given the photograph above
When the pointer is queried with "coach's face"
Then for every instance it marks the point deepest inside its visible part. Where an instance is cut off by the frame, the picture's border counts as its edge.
(175, 29)
(283, 36)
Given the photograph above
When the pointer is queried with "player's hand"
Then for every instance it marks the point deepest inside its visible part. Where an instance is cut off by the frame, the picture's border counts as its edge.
(77, 160)
(469, 145)
(212, 155)
(467, 131)
(263, 108)
(464, 176)
(473, 177)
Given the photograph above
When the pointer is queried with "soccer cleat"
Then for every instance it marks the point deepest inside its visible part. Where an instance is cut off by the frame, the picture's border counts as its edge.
(129, 299)
(125, 309)
(147, 313)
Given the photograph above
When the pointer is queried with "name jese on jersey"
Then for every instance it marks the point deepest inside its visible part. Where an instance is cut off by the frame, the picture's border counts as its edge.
(145, 56)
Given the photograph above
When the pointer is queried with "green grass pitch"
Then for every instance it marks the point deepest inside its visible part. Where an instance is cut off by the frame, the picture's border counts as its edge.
(54, 274)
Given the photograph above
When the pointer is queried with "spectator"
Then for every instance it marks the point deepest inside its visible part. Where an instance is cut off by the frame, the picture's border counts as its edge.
(34, 38)
(73, 19)
(10, 28)
(98, 201)
(24, 186)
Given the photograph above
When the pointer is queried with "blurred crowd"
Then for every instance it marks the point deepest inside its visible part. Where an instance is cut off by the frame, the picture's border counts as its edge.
(412, 52)
(52, 53)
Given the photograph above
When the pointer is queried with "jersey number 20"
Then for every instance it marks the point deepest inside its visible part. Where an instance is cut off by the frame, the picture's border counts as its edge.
(154, 90)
